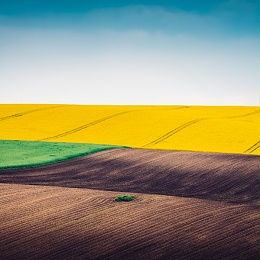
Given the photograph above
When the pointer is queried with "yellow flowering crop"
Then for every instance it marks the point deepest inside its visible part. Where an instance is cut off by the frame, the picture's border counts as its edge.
(194, 128)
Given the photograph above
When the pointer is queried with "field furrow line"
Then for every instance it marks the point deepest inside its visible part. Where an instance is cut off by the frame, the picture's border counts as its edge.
(228, 220)
(36, 205)
(179, 107)
(80, 128)
(43, 232)
(172, 132)
(93, 222)
(87, 223)
(218, 177)
(248, 114)
(232, 239)
(255, 148)
(252, 148)
(28, 112)
(151, 231)
(119, 229)
(147, 218)
(32, 230)
(136, 239)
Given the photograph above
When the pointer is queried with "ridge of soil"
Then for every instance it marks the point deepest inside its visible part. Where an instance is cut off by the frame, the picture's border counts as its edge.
(232, 178)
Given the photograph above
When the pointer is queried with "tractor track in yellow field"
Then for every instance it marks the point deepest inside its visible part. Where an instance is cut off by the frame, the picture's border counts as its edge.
(208, 129)
(248, 114)
(252, 148)
(176, 130)
(83, 127)
(28, 112)
(172, 132)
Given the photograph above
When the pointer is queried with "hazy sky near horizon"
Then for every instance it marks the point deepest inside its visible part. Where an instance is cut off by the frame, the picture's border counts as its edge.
(130, 52)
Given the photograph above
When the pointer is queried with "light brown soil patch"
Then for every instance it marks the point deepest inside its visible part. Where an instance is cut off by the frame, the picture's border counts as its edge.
(66, 223)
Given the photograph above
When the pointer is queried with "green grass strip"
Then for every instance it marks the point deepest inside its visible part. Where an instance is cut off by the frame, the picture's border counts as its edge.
(19, 154)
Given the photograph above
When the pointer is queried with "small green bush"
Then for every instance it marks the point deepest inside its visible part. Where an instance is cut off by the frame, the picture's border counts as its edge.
(123, 198)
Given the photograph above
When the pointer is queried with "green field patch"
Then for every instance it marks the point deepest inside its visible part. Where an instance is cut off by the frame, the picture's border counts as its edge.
(18, 154)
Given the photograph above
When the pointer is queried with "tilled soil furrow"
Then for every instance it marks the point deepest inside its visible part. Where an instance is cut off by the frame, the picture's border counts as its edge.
(24, 223)
(211, 211)
(84, 224)
(222, 177)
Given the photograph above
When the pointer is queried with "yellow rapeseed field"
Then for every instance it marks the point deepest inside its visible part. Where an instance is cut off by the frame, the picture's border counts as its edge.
(194, 128)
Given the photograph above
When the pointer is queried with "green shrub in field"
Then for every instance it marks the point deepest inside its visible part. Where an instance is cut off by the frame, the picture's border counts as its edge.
(123, 198)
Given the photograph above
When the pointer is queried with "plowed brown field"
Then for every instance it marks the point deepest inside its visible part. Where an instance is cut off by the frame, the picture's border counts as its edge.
(211, 211)
(224, 177)
(62, 223)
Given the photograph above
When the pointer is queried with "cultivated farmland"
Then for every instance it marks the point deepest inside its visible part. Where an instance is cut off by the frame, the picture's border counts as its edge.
(39, 222)
(19, 154)
(193, 173)
(194, 128)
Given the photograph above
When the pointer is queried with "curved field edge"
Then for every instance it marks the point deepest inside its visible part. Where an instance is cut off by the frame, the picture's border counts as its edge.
(220, 177)
(38, 222)
(22, 154)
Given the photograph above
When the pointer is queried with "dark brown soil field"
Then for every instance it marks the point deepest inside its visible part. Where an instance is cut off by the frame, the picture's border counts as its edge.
(214, 176)
(186, 206)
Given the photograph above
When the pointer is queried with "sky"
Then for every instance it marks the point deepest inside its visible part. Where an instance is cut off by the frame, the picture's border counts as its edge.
(192, 52)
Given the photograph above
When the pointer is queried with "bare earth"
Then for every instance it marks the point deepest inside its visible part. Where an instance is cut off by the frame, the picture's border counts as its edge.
(187, 206)
(214, 176)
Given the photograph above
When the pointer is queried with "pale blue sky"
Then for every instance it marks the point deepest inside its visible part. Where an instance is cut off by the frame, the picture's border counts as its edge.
(129, 52)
